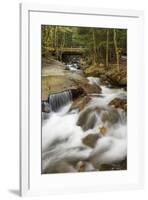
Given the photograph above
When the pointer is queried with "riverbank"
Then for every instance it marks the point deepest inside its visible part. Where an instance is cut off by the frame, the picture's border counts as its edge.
(109, 75)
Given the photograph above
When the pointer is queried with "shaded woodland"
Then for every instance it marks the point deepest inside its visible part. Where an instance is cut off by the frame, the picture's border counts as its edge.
(100, 46)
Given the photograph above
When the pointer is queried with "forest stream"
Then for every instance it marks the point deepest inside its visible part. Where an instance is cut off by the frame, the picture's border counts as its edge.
(86, 132)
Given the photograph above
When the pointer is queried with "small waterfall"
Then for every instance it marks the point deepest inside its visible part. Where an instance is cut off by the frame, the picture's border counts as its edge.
(57, 100)
(94, 80)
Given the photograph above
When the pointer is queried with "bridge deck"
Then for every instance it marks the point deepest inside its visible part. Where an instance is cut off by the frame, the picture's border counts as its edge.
(67, 50)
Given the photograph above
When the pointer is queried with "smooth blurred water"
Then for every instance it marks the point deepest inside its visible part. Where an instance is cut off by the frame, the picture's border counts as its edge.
(62, 147)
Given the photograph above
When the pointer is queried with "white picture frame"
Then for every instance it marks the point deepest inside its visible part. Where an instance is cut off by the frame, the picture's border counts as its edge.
(31, 180)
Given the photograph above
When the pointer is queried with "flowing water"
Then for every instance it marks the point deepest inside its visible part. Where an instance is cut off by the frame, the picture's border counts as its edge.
(94, 80)
(64, 130)
(57, 100)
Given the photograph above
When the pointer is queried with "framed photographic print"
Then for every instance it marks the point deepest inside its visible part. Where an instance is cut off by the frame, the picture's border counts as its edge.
(81, 102)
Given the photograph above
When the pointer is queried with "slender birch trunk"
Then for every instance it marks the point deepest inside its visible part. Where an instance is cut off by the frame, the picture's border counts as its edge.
(107, 46)
(116, 49)
(94, 47)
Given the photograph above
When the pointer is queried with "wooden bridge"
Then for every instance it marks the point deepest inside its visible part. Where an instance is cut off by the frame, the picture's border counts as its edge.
(67, 50)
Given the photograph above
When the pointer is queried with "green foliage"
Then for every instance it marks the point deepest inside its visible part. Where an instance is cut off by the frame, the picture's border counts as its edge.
(99, 43)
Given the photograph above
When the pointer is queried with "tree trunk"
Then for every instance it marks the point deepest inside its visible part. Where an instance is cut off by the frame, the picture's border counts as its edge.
(107, 46)
(56, 41)
(94, 48)
(116, 49)
(62, 46)
(52, 37)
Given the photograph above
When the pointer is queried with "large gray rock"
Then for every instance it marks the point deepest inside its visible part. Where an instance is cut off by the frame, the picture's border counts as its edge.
(56, 79)
(88, 118)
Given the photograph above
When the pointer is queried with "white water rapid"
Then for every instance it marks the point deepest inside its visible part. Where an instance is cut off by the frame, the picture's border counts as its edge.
(62, 146)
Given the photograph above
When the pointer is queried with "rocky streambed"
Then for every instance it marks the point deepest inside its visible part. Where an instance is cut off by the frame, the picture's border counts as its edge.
(84, 122)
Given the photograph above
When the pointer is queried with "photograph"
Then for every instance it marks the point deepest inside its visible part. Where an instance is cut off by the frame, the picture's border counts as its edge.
(83, 99)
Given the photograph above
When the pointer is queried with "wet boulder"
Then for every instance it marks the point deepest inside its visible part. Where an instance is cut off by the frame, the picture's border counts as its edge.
(88, 118)
(84, 166)
(56, 84)
(110, 116)
(80, 103)
(103, 130)
(78, 92)
(91, 139)
(45, 107)
(119, 103)
(94, 70)
(121, 165)
(117, 77)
